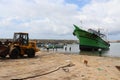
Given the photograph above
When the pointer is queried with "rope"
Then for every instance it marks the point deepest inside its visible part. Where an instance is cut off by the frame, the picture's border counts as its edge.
(68, 65)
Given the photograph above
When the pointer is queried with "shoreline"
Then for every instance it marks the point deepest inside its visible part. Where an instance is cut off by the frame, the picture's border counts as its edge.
(112, 52)
(59, 66)
(79, 53)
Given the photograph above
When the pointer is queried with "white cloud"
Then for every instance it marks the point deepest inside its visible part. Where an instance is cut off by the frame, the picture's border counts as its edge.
(37, 17)
(56, 17)
(102, 13)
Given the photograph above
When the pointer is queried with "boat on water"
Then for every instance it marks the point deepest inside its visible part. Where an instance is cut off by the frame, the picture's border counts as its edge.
(91, 39)
(50, 46)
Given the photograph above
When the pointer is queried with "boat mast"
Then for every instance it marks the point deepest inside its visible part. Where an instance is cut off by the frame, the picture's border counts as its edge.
(99, 31)
(81, 23)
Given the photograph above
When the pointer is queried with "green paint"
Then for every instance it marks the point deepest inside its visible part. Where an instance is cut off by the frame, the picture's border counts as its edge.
(89, 39)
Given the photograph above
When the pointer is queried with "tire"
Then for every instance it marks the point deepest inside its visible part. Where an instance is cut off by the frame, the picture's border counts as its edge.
(31, 53)
(3, 56)
(14, 53)
(21, 55)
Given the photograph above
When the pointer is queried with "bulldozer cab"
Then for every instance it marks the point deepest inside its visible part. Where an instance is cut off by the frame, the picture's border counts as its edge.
(21, 38)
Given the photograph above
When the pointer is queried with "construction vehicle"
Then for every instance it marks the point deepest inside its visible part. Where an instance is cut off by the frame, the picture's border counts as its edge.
(19, 47)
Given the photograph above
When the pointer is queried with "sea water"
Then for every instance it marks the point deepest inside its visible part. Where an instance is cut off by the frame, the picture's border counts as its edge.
(114, 50)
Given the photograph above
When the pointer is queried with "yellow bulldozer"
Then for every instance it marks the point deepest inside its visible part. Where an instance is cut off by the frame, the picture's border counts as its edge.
(19, 47)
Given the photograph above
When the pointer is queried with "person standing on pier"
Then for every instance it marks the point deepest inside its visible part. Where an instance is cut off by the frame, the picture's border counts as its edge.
(70, 49)
(66, 48)
(100, 51)
(47, 46)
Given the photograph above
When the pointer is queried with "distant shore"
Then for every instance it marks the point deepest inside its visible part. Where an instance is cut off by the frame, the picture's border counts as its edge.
(115, 41)
(57, 41)
(44, 41)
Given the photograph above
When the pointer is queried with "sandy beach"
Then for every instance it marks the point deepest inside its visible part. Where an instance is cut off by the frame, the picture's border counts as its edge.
(58, 66)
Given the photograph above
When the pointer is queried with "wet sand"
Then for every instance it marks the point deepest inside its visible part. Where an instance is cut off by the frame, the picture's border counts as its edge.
(58, 66)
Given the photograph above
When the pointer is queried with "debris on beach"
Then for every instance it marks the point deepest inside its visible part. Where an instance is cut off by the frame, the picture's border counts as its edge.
(118, 67)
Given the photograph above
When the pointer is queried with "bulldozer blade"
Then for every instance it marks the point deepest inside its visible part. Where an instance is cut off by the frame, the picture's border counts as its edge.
(4, 51)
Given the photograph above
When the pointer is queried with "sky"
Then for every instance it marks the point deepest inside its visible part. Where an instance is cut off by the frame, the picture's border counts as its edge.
(54, 19)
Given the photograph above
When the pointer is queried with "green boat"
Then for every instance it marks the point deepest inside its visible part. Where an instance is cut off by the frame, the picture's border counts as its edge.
(91, 39)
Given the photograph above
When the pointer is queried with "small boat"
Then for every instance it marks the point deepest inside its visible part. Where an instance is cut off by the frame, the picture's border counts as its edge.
(91, 39)
(52, 46)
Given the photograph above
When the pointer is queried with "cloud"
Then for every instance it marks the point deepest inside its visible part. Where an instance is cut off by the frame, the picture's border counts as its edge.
(101, 14)
(37, 17)
(55, 18)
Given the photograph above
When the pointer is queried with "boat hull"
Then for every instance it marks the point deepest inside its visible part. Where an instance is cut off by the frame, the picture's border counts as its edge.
(89, 41)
